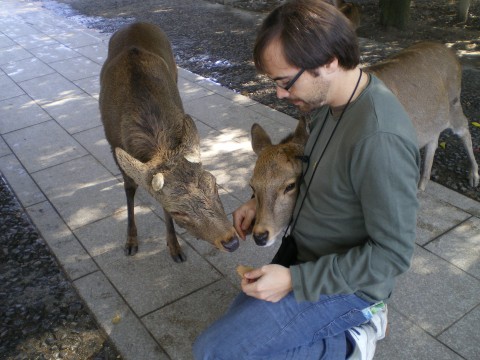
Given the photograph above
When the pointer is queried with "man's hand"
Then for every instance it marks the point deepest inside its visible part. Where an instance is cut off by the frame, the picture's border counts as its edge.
(270, 283)
(243, 218)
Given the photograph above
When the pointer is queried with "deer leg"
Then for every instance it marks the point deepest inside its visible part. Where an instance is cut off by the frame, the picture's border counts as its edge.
(460, 128)
(131, 247)
(427, 163)
(175, 250)
(473, 177)
(466, 138)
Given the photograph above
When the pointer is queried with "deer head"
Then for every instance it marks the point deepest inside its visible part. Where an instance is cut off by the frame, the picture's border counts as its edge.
(275, 181)
(187, 192)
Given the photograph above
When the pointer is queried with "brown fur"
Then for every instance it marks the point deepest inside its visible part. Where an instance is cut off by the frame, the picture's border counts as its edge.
(275, 181)
(350, 10)
(427, 78)
(156, 144)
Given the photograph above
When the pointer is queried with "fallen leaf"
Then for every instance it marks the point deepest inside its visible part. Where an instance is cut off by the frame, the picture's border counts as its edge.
(474, 123)
(116, 319)
(443, 144)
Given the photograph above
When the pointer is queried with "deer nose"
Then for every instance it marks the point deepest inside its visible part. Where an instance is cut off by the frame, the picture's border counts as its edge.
(232, 245)
(261, 238)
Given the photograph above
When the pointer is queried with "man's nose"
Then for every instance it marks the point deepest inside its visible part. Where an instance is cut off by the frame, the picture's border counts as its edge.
(282, 93)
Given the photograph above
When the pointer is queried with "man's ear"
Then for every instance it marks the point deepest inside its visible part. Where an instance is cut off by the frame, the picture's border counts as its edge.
(331, 67)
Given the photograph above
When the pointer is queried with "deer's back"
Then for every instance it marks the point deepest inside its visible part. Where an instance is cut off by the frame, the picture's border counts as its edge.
(140, 104)
(146, 36)
(426, 78)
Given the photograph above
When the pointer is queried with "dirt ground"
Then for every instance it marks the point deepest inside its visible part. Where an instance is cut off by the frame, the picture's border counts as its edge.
(214, 38)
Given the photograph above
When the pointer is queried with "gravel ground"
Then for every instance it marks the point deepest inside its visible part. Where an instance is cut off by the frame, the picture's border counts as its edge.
(42, 316)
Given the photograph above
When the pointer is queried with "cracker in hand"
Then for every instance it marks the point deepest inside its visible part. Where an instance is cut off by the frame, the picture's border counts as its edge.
(242, 270)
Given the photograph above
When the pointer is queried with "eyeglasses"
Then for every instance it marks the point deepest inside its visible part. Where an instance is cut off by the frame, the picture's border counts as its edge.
(291, 82)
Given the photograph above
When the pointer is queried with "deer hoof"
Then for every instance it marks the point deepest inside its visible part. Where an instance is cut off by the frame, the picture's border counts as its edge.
(131, 250)
(180, 257)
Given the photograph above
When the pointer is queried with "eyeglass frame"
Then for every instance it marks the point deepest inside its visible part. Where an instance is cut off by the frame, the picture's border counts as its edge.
(291, 82)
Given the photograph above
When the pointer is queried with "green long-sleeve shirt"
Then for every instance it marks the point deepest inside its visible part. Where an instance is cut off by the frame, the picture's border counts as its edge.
(357, 227)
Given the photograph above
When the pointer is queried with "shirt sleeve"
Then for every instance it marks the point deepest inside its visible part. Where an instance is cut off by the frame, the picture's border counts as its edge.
(384, 173)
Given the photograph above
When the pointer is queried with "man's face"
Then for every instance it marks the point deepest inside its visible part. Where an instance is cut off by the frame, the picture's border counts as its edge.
(307, 93)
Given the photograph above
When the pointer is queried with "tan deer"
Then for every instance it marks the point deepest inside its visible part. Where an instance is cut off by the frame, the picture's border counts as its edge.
(275, 181)
(426, 78)
(350, 10)
(156, 144)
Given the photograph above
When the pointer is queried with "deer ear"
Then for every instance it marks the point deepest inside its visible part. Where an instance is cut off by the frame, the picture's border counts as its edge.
(193, 157)
(301, 134)
(260, 138)
(134, 168)
(190, 140)
(158, 181)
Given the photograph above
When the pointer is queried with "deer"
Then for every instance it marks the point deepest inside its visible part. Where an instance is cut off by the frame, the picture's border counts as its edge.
(350, 10)
(426, 78)
(275, 180)
(155, 143)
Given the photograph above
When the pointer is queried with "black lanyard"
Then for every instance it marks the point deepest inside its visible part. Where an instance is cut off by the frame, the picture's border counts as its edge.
(321, 155)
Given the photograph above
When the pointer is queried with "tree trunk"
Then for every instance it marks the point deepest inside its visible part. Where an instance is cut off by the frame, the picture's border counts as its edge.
(394, 13)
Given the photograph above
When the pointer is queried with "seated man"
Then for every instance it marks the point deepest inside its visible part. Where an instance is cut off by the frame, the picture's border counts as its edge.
(354, 223)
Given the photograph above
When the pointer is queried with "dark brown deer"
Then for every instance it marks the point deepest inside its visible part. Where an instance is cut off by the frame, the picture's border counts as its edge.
(426, 78)
(154, 142)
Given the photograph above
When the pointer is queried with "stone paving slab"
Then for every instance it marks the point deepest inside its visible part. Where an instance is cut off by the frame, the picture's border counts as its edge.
(93, 140)
(460, 246)
(435, 294)
(76, 113)
(149, 280)
(26, 69)
(177, 325)
(408, 341)
(71, 255)
(126, 331)
(82, 191)
(436, 217)
(35, 148)
(464, 337)
(4, 149)
(54, 155)
(90, 85)
(54, 51)
(20, 112)
(8, 88)
(48, 88)
(25, 188)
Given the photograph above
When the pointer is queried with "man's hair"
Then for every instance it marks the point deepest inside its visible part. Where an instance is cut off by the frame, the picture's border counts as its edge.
(311, 32)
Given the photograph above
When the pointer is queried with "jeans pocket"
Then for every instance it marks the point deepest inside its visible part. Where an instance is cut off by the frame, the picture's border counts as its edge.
(341, 324)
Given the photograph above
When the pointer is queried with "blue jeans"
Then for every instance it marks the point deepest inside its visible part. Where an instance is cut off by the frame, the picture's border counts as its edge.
(259, 330)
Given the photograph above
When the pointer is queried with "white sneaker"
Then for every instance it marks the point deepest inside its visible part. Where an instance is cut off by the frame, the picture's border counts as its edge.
(367, 335)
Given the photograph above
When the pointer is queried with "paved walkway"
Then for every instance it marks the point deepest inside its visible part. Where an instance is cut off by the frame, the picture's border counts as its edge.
(55, 157)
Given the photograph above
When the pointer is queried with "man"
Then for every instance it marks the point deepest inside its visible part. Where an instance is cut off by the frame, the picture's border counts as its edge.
(355, 218)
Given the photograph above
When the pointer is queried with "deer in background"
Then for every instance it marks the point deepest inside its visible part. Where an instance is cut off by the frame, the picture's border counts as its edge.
(425, 77)
(350, 10)
(154, 143)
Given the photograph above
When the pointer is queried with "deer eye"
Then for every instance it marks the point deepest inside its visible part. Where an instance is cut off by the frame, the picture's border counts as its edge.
(289, 188)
